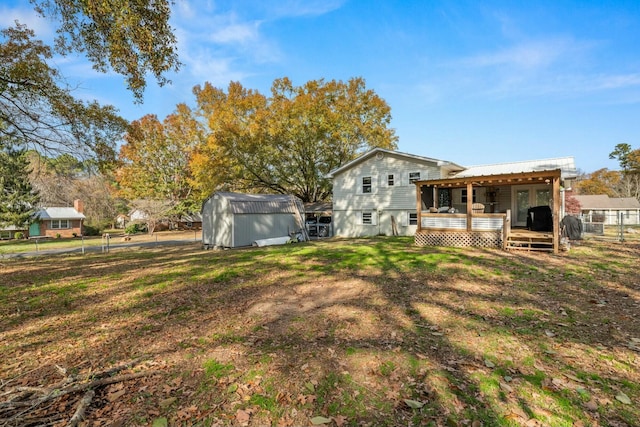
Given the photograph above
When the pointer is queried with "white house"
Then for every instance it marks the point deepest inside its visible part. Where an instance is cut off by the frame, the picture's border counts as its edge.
(375, 193)
(609, 210)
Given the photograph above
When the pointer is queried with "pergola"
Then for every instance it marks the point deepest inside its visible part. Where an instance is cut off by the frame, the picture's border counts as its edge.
(473, 228)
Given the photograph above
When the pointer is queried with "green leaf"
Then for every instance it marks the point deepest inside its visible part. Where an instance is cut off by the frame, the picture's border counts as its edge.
(489, 364)
(413, 404)
(160, 422)
(623, 398)
(310, 387)
(320, 420)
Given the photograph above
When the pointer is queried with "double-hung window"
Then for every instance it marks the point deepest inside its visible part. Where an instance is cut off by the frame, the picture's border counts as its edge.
(366, 184)
(367, 218)
(413, 177)
(59, 224)
(391, 180)
(413, 218)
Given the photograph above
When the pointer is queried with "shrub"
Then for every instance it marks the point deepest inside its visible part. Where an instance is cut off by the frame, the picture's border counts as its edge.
(91, 230)
(132, 228)
(58, 235)
(74, 234)
(18, 235)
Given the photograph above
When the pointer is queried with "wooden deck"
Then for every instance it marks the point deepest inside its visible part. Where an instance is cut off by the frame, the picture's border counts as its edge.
(522, 239)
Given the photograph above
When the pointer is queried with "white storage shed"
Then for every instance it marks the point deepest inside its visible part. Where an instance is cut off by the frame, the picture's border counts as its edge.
(231, 220)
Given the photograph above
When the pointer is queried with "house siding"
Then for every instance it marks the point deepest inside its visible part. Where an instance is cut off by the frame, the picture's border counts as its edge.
(384, 201)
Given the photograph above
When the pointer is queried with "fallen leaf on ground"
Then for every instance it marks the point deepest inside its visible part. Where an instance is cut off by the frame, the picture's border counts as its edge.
(320, 420)
(623, 398)
(413, 404)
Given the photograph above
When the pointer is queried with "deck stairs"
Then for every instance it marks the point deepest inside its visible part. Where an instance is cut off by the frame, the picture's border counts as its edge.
(521, 239)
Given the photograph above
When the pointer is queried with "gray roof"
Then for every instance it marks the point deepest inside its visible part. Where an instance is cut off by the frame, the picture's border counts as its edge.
(368, 154)
(565, 164)
(191, 217)
(59, 213)
(262, 203)
(602, 201)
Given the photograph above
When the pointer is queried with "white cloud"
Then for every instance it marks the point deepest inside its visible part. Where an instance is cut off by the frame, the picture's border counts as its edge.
(528, 55)
(27, 16)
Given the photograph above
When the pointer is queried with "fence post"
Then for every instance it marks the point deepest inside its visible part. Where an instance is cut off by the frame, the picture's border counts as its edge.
(82, 245)
(621, 223)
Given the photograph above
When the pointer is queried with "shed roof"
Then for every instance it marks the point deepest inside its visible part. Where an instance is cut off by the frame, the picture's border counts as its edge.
(241, 203)
(565, 164)
(59, 213)
(603, 201)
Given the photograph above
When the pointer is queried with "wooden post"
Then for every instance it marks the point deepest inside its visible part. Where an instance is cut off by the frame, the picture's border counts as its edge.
(469, 205)
(419, 205)
(556, 214)
(506, 229)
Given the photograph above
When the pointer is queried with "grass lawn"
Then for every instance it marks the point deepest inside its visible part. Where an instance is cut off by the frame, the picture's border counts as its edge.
(341, 332)
(116, 237)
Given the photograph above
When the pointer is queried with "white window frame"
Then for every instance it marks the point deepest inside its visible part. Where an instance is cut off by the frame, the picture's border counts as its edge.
(410, 219)
(414, 178)
(370, 214)
(57, 224)
(390, 180)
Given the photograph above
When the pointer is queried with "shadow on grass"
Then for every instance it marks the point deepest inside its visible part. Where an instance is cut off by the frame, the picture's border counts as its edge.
(349, 329)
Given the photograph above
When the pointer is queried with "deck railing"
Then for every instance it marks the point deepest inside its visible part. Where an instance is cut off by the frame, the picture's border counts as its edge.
(459, 222)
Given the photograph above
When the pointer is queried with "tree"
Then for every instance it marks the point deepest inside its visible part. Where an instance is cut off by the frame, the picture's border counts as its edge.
(129, 37)
(288, 143)
(18, 200)
(155, 159)
(37, 109)
(61, 180)
(602, 181)
(629, 159)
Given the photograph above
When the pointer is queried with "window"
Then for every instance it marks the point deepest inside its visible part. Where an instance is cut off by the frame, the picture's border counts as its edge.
(390, 180)
(57, 224)
(464, 196)
(366, 184)
(367, 218)
(414, 176)
(413, 218)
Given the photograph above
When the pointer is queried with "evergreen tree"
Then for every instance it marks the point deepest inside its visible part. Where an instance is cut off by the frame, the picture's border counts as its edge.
(18, 200)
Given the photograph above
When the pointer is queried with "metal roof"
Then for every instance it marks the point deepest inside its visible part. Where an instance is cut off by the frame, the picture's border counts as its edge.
(565, 164)
(602, 201)
(59, 213)
(241, 203)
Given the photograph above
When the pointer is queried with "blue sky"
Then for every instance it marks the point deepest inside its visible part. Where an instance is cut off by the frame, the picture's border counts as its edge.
(467, 81)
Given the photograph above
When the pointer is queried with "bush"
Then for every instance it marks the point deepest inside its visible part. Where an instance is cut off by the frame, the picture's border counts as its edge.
(18, 235)
(74, 234)
(133, 228)
(58, 235)
(91, 230)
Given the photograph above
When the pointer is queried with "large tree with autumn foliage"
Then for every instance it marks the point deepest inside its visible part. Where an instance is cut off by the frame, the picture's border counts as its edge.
(288, 142)
(155, 160)
(621, 183)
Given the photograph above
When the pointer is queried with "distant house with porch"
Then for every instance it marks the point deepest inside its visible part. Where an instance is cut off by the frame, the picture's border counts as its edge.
(609, 210)
(59, 221)
(442, 203)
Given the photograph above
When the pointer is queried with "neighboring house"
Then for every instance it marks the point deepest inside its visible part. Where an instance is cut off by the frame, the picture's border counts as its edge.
(232, 220)
(191, 221)
(609, 210)
(494, 205)
(9, 232)
(375, 193)
(59, 221)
